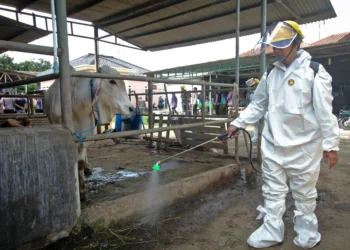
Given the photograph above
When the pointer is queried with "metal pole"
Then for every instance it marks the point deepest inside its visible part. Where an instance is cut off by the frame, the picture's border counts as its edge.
(97, 56)
(262, 70)
(97, 63)
(210, 111)
(203, 104)
(153, 130)
(23, 47)
(65, 86)
(29, 81)
(150, 109)
(54, 37)
(238, 16)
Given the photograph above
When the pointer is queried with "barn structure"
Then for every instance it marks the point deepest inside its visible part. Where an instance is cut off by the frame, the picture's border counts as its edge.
(42, 209)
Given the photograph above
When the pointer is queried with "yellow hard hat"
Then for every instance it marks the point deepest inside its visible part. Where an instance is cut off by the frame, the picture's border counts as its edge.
(252, 82)
(296, 27)
(279, 35)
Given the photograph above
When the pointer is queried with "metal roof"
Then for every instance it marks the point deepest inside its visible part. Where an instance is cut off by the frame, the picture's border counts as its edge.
(111, 61)
(19, 32)
(89, 59)
(158, 25)
(336, 38)
(334, 45)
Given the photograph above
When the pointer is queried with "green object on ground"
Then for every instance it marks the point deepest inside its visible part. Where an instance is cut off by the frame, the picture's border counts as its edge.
(156, 166)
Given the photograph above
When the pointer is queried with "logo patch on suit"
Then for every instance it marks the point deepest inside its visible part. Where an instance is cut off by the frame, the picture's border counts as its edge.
(290, 82)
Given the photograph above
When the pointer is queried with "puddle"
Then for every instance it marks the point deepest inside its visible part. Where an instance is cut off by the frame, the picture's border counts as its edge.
(99, 178)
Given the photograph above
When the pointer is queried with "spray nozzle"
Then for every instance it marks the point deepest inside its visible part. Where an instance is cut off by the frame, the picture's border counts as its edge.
(156, 166)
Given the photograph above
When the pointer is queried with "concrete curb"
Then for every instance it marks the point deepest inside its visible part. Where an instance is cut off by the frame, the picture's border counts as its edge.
(135, 205)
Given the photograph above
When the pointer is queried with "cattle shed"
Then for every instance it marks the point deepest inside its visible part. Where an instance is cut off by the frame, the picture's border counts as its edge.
(332, 52)
(144, 24)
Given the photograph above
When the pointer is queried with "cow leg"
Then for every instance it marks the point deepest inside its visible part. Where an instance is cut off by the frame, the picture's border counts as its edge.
(83, 162)
(81, 170)
(87, 169)
(82, 189)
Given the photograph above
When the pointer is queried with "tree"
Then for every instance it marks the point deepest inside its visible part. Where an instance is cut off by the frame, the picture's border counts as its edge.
(33, 65)
(6, 62)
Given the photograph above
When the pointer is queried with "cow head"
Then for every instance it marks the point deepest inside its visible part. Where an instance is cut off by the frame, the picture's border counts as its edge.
(112, 96)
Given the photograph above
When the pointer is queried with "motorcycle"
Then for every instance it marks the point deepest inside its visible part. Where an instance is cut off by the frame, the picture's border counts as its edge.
(344, 119)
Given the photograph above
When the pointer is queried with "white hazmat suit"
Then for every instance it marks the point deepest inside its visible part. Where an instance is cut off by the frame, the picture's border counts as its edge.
(299, 127)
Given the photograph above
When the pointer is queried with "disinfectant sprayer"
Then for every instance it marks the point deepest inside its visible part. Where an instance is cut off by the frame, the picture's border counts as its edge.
(222, 138)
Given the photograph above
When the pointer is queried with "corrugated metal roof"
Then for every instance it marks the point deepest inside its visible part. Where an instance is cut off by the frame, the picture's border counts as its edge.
(337, 38)
(111, 61)
(334, 45)
(158, 25)
(18, 31)
(89, 59)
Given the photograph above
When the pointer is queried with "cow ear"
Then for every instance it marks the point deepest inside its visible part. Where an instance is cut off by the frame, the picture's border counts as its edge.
(112, 82)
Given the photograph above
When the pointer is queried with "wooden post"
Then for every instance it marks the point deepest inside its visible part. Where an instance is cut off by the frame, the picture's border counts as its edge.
(160, 133)
(168, 132)
(150, 109)
(182, 133)
(167, 99)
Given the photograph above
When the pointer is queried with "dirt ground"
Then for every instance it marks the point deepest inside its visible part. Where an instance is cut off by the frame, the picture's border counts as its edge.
(220, 218)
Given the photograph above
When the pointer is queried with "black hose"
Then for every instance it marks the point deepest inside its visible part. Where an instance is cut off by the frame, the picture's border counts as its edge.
(223, 136)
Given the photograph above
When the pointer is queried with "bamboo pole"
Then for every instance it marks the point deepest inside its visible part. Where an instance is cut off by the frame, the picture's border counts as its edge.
(153, 130)
(142, 79)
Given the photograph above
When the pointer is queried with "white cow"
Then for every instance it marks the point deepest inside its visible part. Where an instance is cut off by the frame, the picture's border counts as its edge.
(111, 97)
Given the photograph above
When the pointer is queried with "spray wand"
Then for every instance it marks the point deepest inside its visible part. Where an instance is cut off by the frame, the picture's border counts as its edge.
(221, 138)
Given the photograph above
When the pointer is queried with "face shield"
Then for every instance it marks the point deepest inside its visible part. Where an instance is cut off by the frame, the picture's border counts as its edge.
(279, 35)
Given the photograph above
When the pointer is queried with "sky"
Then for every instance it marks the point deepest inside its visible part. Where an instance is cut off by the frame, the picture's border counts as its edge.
(187, 55)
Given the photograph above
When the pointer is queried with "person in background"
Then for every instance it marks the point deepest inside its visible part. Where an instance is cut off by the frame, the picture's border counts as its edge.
(173, 103)
(160, 103)
(39, 105)
(184, 100)
(1, 106)
(194, 100)
(229, 103)
(20, 105)
(9, 104)
(217, 101)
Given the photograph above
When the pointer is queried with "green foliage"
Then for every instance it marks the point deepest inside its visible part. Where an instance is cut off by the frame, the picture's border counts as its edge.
(7, 63)
(30, 87)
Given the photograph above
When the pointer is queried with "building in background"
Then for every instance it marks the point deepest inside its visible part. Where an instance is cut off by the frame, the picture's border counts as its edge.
(86, 63)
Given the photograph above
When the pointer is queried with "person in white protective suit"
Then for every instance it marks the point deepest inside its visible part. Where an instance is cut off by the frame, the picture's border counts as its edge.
(299, 131)
(253, 83)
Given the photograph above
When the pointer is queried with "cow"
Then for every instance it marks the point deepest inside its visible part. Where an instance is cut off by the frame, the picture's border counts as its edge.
(91, 98)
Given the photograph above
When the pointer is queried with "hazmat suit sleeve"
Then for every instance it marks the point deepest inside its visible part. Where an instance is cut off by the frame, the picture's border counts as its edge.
(322, 102)
(256, 108)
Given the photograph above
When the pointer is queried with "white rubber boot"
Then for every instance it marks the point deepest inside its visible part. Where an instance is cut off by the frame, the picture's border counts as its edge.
(306, 225)
(271, 232)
